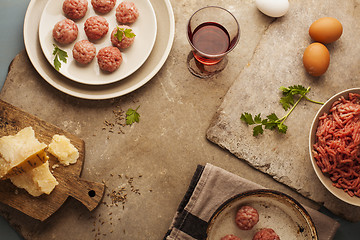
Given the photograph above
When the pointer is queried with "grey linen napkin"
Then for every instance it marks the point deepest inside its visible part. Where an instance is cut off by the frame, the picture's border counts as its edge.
(209, 188)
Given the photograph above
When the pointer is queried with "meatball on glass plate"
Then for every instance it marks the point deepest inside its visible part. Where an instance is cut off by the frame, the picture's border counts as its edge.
(89, 72)
(252, 214)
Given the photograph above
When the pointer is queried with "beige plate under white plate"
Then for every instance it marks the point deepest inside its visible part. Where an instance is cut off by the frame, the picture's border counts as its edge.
(156, 59)
(276, 210)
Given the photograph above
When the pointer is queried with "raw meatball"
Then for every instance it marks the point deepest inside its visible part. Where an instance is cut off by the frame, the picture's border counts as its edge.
(230, 237)
(103, 6)
(246, 217)
(96, 27)
(75, 9)
(65, 31)
(126, 12)
(84, 51)
(125, 41)
(109, 58)
(266, 234)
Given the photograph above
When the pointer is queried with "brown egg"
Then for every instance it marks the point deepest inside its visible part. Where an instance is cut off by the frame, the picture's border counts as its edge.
(326, 30)
(316, 59)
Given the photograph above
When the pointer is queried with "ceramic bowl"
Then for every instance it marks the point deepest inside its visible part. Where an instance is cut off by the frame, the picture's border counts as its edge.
(276, 210)
(324, 178)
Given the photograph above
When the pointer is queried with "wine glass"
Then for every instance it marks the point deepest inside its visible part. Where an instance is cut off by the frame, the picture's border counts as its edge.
(212, 32)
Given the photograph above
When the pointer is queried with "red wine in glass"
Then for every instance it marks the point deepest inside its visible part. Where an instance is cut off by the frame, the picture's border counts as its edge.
(210, 40)
(212, 32)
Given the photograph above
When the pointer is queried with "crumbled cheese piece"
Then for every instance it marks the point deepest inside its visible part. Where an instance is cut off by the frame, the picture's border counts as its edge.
(63, 150)
(16, 149)
(37, 181)
(55, 166)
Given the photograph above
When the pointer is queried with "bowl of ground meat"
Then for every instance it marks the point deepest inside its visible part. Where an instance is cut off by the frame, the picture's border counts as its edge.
(334, 145)
(261, 214)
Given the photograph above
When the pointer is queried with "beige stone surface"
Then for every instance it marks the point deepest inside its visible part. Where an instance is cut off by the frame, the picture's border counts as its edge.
(158, 156)
(278, 62)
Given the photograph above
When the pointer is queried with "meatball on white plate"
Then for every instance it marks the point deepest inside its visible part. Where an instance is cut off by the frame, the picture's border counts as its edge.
(103, 6)
(266, 234)
(96, 27)
(84, 51)
(246, 217)
(65, 31)
(230, 237)
(75, 9)
(133, 57)
(109, 59)
(127, 12)
(122, 37)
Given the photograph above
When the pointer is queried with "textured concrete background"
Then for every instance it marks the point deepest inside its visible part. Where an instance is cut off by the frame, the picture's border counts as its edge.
(156, 157)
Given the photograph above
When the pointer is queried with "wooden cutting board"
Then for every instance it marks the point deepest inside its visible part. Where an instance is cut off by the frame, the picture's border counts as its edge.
(12, 120)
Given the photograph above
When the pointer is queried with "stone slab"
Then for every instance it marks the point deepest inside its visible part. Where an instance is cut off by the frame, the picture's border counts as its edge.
(278, 62)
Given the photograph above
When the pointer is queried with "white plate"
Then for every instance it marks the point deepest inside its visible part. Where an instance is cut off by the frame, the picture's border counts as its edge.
(161, 50)
(276, 210)
(133, 57)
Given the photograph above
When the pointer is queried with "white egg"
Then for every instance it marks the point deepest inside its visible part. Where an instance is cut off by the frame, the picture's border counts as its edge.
(273, 8)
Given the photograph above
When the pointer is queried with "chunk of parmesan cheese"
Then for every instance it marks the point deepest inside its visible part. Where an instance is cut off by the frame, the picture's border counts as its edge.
(63, 150)
(37, 181)
(20, 152)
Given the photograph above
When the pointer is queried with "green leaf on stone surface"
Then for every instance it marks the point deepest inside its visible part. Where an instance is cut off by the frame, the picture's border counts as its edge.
(132, 116)
(272, 121)
(246, 117)
(287, 101)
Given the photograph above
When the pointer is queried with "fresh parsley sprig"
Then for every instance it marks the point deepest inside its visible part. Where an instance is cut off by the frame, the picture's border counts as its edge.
(271, 121)
(289, 92)
(60, 55)
(121, 32)
(132, 116)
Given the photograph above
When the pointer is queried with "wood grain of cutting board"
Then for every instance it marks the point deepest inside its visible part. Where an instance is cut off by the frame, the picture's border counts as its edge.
(12, 120)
